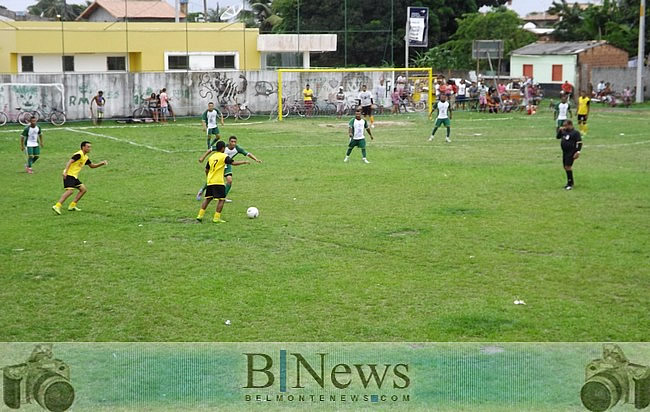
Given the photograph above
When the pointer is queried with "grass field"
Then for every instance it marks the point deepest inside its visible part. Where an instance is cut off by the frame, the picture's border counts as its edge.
(429, 242)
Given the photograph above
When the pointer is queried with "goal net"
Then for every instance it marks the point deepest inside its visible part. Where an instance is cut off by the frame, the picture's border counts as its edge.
(32, 96)
(409, 88)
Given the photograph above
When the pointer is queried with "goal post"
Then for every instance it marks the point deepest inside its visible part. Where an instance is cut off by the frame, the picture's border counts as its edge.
(319, 74)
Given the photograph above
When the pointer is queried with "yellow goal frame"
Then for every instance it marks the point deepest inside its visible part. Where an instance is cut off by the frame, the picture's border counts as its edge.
(428, 70)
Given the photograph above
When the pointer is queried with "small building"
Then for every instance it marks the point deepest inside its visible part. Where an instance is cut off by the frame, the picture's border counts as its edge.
(552, 63)
(133, 10)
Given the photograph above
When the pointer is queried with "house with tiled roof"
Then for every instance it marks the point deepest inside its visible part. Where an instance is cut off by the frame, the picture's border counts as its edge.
(133, 10)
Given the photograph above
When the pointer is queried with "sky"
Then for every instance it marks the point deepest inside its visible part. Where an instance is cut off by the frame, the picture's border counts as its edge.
(520, 6)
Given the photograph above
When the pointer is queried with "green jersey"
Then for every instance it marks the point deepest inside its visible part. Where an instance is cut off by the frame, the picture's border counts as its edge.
(234, 152)
(210, 118)
(31, 135)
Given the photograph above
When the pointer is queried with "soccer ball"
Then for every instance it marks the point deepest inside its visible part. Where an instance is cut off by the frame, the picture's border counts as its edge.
(252, 212)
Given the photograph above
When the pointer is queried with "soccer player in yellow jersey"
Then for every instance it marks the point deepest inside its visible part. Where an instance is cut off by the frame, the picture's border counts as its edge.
(583, 112)
(71, 177)
(216, 188)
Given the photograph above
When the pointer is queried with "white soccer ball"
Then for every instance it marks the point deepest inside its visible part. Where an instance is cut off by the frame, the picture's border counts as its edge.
(252, 212)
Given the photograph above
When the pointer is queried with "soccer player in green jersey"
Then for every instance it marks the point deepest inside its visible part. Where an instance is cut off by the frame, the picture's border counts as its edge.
(356, 127)
(232, 149)
(444, 117)
(209, 120)
(32, 139)
(562, 113)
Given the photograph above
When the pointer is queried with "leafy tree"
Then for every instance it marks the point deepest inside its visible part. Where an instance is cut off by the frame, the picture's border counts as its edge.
(52, 8)
(498, 24)
(368, 40)
(260, 15)
(614, 21)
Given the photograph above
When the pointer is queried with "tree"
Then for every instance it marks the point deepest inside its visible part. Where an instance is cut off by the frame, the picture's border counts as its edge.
(260, 15)
(52, 8)
(614, 21)
(498, 24)
(368, 37)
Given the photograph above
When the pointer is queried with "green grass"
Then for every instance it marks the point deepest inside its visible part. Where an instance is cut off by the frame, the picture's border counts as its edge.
(429, 242)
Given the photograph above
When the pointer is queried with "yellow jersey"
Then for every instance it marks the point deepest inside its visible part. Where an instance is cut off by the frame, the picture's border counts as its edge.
(79, 160)
(307, 94)
(583, 105)
(215, 167)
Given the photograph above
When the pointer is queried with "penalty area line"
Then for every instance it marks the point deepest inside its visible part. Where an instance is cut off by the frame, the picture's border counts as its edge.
(117, 139)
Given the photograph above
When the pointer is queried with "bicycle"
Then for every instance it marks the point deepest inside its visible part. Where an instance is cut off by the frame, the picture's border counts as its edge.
(236, 110)
(17, 115)
(285, 110)
(143, 112)
(55, 116)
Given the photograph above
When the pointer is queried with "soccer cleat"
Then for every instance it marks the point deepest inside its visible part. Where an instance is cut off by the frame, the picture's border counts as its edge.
(199, 195)
(568, 187)
(199, 219)
(56, 209)
(228, 200)
(74, 209)
(30, 171)
(365, 160)
(448, 140)
(431, 139)
(218, 221)
(372, 125)
(347, 158)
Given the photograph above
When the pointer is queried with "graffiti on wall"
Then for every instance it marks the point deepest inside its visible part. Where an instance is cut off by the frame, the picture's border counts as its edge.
(25, 96)
(221, 88)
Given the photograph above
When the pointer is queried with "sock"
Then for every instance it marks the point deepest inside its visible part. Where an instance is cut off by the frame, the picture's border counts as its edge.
(586, 128)
(372, 119)
(207, 141)
(433, 132)
(349, 151)
(228, 186)
(35, 159)
(201, 213)
(73, 204)
(448, 131)
(217, 215)
(569, 177)
(29, 161)
(363, 153)
(58, 204)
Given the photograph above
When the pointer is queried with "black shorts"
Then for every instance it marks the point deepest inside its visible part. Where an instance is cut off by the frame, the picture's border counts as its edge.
(567, 158)
(71, 182)
(582, 118)
(366, 110)
(215, 191)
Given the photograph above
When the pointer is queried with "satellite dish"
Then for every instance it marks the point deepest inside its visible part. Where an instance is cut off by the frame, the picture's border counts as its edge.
(231, 12)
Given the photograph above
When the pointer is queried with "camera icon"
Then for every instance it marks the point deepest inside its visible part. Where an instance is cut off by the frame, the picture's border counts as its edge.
(613, 379)
(42, 378)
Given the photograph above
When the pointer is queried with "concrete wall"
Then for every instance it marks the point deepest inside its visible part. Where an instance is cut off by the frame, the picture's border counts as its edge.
(620, 78)
(543, 67)
(190, 92)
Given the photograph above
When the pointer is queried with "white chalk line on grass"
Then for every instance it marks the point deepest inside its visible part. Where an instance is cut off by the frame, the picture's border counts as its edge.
(117, 139)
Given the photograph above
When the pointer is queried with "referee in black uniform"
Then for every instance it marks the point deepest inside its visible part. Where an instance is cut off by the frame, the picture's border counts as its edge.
(571, 143)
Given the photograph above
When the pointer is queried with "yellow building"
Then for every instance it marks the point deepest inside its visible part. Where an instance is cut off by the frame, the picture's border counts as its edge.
(91, 47)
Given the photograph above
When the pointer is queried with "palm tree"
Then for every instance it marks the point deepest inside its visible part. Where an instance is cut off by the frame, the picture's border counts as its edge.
(53, 8)
(260, 14)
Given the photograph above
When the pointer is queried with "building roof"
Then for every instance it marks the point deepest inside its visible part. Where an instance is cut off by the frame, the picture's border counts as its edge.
(558, 48)
(544, 16)
(137, 9)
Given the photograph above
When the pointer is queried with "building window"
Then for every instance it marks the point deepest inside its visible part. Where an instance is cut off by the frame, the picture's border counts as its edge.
(178, 62)
(68, 63)
(27, 63)
(116, 63)
(528, 70)
(275, 60)
(224, 62)
(556, 74)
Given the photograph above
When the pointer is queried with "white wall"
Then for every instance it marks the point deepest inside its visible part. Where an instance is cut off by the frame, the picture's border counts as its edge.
(100, 14)
(543, 67)
(85, 63)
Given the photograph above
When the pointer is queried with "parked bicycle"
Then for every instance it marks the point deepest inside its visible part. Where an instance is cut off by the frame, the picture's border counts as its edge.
(54, 115)
(144, 111)
(16, 115)
(285, 110)
(236, 110)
